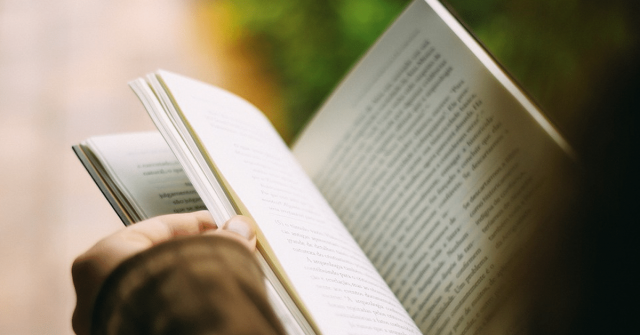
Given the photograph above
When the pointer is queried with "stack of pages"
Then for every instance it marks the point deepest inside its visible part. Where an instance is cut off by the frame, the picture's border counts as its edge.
(402, 204)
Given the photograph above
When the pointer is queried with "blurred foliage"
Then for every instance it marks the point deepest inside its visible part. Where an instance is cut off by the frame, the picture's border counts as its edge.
(560, 51)
(310, 45)
(557, 49)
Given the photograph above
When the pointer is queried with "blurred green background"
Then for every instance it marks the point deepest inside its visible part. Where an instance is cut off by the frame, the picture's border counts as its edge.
(558, 50)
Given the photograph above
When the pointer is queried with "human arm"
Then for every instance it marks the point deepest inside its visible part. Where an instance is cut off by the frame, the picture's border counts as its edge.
(145, 275)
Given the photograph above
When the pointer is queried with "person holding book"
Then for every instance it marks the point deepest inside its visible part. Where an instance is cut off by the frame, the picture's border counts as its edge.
(177, 274)
(428, 196)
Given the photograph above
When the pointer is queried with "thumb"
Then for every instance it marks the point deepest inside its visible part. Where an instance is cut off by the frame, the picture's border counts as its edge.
(239, 228)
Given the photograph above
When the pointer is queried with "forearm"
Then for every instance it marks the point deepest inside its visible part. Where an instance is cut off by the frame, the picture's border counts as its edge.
(190, 285)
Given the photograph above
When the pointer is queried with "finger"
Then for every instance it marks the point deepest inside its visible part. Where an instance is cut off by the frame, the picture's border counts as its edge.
(133, 239)
(162, 228)
(91, 268)
(239, 228)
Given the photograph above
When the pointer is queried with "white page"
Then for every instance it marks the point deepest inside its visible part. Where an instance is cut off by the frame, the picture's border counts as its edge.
(146, 171)
(338, 285)
(435, 167)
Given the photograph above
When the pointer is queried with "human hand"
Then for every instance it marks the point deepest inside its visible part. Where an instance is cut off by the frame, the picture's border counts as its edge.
(92, 268)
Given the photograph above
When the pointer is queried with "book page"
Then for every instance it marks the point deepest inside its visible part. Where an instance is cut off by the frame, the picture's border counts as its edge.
(145, 170)
(142, 166)
(438, 166)
(328, 272)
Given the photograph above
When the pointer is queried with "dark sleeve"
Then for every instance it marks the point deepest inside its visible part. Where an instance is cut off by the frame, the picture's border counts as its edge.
(191, 285)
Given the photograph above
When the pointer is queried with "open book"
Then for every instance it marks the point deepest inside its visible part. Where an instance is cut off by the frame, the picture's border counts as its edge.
(399, 206)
